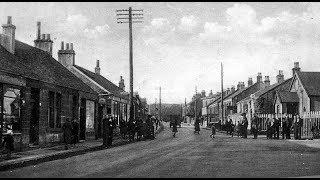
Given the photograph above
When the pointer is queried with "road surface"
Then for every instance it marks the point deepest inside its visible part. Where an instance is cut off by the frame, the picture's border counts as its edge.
(187, 155)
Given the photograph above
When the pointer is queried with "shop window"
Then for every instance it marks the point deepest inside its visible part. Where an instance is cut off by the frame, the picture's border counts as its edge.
(54, 110)
(11, 109)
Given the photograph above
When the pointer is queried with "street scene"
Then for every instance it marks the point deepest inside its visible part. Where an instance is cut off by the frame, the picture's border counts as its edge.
(159, 89)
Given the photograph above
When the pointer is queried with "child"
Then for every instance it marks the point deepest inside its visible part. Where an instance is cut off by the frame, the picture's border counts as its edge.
(213, 131)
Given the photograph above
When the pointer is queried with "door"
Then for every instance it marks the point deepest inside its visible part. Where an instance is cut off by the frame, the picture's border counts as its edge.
(34, 121)
(100, 116)
(82, 135)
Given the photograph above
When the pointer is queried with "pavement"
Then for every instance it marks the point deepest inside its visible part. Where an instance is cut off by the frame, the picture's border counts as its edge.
(33, 157)
(186, 155)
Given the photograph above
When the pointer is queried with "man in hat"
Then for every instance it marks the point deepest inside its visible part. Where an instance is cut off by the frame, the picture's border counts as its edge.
(245, 125)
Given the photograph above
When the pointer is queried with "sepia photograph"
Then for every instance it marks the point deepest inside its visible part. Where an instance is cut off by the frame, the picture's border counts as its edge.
(160, 90)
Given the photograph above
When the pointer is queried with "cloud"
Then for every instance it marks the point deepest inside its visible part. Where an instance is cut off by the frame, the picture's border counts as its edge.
(188, 23)
(97, 31)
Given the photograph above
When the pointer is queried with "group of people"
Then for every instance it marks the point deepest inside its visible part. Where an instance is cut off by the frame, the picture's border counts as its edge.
(288, 124)
(70, 132)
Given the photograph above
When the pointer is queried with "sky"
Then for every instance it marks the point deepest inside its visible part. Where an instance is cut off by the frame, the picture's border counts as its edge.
(179, 45)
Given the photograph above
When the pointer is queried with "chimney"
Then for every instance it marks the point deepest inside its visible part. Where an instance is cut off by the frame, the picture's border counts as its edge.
(233, 89)
(228, 91)
(242, 85)
(250, 82)
(296, 68)
(97, 68)
(239, 85)
(266, 81)
(203, 93)
(66, 56)
(7, 38)
(121, 83)
(39, 30)
(44, 43)
(280, 77)
(259, 78)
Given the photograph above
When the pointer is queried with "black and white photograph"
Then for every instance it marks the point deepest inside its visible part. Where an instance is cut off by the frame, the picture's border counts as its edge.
(160, 90)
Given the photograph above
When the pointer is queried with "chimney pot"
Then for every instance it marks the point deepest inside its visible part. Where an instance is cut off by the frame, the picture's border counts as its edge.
(43, 36)
(67, 46)
(48, 36)
(71, 46)
(38, 30)
(9, 20)
(62, 45)
(296, 64)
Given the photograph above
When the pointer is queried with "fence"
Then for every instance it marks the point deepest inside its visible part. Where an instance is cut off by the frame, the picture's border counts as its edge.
(308, 119)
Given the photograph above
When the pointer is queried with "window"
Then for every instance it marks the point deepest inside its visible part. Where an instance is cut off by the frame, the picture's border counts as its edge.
(54, 110)
(11, 109)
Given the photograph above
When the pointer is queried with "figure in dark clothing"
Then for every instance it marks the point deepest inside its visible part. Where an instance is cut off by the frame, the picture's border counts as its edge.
(67, 133)
(284, 127)
(295, 127)
(245, 125)
(299, 126)
(197, 126)
(123, 128)
(289, 125)
(175, 127)
(8, 143)
(254, 126)
(110, 126)
(213, 131)
(268, 129)
(75, 131)
(131, 129)
(276, 128)
(139, 129)
(232, 128)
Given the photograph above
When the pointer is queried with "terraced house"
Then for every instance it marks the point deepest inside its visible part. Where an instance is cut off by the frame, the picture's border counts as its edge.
(37, 93)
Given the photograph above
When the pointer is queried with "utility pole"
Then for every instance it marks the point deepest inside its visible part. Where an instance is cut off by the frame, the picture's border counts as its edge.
(195, 107)
(160, 103)
(126, 14)
(221, 93)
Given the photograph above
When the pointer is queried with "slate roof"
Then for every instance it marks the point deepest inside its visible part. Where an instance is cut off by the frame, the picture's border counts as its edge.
(47, 68)
(311, 82)
(287, 97)
(31, 62)
(105, 83)
(267, 89)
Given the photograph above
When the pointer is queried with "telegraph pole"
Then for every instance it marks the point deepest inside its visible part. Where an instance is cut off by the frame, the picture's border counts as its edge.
(221, 93)
(160, 103)
(126, 14)
(195, 107)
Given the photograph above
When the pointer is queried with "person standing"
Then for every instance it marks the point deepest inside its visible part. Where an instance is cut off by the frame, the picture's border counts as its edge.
(245, 126)
(110, 127)
(175, 127)
(289, 127)
(295, 127)
(67, 133)
(8, 143)
(284, 126)
(254, 126)
(232, 128)
(276, 128)
(131, 129)
(75, 131)
(197, 126)
(300, 126)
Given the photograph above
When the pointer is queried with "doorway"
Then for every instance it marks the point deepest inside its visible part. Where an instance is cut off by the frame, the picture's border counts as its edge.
(82, 124)
(34, 121)
(100, 116)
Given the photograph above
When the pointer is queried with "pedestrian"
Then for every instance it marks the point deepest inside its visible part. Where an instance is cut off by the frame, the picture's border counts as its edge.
(139, 129)
(289, 127)
(67, 133)
(8, 143)
(75, 131)
(238, 127)
(232, 128)
(122, 126)
(300, 126)
(110, 127)
(269, 128)
(245, 125)
(284, 126)
(276, 128)
(295, 127)
(175, 127)
(213, 131)
(254, 126)
(197, 126)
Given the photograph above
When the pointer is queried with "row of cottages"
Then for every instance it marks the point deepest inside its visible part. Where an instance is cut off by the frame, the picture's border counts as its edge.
(195, 106)
(37, 93)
